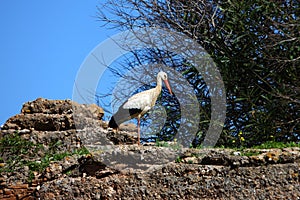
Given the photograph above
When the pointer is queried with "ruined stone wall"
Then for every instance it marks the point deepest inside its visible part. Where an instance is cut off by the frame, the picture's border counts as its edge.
(48, 126)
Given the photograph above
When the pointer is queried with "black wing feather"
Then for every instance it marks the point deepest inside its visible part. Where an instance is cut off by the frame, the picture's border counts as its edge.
(123, 115)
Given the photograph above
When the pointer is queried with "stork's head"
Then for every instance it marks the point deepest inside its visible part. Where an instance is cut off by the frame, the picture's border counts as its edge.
(164, 77)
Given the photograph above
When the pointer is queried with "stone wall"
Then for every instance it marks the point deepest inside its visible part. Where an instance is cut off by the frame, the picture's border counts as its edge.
(50, 128)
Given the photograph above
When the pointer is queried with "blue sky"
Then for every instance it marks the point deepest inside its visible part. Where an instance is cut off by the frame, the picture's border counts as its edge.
(42, 45)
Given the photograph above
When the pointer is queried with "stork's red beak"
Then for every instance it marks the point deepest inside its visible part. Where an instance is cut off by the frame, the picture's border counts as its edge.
(168, 86)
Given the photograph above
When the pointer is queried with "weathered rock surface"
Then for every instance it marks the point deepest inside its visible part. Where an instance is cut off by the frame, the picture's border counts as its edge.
(148, 172)
(183, 181)
(50, 115)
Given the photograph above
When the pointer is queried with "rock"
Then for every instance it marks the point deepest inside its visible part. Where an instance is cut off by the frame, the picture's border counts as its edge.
(48, 166)
(40, 122)
(95, 111)
(129, 127)
(88, 111)
(182, 181)
(122, 137)
(49, 115)
(46, 106)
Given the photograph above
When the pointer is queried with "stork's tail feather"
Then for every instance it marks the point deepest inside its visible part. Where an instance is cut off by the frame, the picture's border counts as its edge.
(112, 123)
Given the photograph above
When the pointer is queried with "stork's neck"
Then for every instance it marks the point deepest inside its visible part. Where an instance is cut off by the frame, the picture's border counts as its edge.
(159, 84)
(156, 91)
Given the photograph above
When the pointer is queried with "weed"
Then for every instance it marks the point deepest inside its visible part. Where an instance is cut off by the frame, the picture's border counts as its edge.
(273, 144)
(174, 145)
(161, 143)
(178, 159)
(190, 162)
(17, 152)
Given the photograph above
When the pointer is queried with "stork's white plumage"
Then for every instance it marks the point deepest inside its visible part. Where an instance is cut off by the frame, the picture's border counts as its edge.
(139, 104)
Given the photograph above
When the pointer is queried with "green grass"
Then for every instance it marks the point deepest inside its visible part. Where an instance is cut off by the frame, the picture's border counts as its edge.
(266, 145)
(178, 159)
(17, 152)
(174, 146)
(252, 151)
(15, 144)
(161, 143)
(272, 144)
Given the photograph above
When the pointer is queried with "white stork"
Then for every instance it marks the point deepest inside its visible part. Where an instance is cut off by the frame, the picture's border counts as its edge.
(140, 103)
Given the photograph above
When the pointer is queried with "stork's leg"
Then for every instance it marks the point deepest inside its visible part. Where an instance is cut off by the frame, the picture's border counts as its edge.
(139, 134)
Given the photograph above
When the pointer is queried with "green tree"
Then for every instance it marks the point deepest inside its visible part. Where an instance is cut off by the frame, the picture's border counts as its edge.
(256, 46)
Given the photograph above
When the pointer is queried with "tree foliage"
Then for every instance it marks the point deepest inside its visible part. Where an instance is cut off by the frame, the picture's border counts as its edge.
(256, 46)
